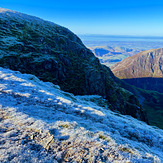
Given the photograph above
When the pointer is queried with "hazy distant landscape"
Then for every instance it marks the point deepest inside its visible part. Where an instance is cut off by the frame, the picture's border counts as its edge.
(124, 41)
(113, 49)
(110, 55)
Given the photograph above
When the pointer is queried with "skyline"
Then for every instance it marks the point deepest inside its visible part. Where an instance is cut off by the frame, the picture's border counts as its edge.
(93, 17)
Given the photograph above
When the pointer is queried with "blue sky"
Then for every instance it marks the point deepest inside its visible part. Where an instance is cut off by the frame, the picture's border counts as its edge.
(115, 17)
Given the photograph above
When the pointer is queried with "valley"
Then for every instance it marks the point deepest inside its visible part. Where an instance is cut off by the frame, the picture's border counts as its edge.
(145, 70)
(113, 49)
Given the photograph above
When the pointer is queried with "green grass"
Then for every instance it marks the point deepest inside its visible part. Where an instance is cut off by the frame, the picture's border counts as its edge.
(104, 137)
(125, 149)
(64, 125)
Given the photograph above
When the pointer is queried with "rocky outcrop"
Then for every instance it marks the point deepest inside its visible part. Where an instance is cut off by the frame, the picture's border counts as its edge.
(53, 53)
(144, 64)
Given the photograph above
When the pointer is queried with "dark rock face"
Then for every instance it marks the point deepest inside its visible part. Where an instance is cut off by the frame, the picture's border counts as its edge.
(144, 64)
(53, 53)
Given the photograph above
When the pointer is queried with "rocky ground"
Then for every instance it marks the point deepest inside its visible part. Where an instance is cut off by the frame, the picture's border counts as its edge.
(41, 123)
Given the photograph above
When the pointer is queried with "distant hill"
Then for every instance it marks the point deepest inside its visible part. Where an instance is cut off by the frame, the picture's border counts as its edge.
(111, 55)
(148, 63)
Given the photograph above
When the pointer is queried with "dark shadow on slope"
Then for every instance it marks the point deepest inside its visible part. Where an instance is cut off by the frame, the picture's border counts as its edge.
(151, 101)
(149, 83)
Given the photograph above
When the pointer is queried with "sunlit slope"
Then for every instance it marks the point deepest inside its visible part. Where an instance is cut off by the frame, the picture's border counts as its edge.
(144, 64)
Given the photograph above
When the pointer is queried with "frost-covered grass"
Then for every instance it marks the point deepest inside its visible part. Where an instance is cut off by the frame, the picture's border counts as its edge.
(17, 15)
(41, 123)
(34, 23)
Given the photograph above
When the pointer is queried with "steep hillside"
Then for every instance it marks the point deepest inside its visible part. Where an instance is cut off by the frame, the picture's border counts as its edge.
(144, 64)
(143, 70)
(41, 123)
(151, 101)
(53, 53)
(155, 84)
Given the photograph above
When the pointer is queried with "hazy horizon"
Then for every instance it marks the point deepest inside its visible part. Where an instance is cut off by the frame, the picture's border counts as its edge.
(116, 35)
(138, 42)
(132, 18)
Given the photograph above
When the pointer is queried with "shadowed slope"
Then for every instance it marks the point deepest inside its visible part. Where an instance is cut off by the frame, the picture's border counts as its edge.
(148, 83)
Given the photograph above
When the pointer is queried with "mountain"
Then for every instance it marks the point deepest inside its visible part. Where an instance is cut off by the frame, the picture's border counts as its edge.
(111, 55)
(143, 70)
(54, 54)
(148, 63)
(41, 123)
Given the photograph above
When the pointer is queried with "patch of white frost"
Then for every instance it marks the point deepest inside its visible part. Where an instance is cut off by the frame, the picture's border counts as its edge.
(36, 115)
